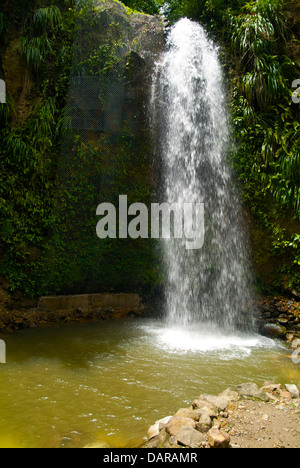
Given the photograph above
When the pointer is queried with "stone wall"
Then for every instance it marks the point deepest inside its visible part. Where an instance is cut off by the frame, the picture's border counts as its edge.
(78, 308)
(87, 303)
(280, 318)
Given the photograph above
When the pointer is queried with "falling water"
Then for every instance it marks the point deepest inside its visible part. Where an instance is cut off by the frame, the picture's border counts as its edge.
(210, 285)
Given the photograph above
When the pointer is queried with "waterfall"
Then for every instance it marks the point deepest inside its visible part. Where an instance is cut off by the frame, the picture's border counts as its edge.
(210, 285)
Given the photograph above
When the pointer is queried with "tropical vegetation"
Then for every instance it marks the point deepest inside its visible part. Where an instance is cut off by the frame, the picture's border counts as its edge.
(259, 69)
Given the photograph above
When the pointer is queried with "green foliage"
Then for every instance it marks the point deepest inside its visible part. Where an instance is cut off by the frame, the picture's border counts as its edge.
(150, 7)
(287, 187)
(254, 38)
(35, 50)
(211, 12)
(29, 149)
(267, 126)
(52, 177)
(2, 24)
(44, 26)
(46, 18)
(42, 195)
(102, 60)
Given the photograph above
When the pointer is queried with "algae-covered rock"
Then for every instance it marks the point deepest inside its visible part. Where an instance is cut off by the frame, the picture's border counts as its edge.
(143, 34)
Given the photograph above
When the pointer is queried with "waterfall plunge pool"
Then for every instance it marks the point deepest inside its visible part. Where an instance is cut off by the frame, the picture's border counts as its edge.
(67, 386)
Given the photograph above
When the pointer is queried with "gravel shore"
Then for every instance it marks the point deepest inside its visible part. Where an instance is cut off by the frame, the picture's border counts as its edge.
(244, 417)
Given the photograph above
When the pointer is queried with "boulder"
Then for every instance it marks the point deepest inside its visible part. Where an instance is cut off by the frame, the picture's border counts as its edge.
(153, 431)
(273, 330)
(285, 395)
(293, 390)
(204, 424)
(189, 437)
(230, 395)
(295, 343)
(187, 413)
(205, 419)
(175, 424)
(270, 387)
(251, 390)
(163, 422)
(158, 440)
(201, 403)
(218, 402)
(218, 439)
(208, 412)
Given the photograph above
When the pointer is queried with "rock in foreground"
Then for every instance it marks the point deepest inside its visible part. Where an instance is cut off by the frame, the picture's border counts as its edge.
(247, 416)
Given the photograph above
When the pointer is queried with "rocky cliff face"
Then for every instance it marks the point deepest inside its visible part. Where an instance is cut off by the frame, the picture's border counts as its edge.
(110, 94)
(137, 38)
(109, 151)
(104, 148)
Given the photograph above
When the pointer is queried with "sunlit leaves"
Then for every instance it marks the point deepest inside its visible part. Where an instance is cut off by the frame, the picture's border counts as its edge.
(262, 112)
(252, 36)
(38, 44)
(287, 189)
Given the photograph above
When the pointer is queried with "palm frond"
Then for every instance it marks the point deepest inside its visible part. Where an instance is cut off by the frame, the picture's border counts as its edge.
(46, 18)
(35, 50)
(288, 190)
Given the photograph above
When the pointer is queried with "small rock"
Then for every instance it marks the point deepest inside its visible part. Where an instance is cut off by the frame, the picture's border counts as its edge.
(283, 320)
(293, 390)
(158, 440)
(230, 395)
(270, 387)
(296, 343)
(218, 402)
(273, 330)
(217, 424)
(153, 431)
(174, 425)
(163, 422)
(187, 413)
(201, 403)
(251, 390)
(289, 337)
(206, 410)
(204, 424)
(189, 437)
(286, 395)
(218, 439)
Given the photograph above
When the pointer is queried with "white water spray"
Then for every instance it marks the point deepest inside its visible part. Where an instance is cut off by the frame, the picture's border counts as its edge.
(211, 285)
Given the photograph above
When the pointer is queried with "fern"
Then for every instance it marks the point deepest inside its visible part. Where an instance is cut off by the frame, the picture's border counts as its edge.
(35, 50)
(46, 18)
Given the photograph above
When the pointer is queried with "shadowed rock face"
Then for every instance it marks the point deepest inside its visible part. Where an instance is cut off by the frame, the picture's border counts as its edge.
(143, 34)
(292, 13)
(107, 106)
(90, 302)
(108, 100)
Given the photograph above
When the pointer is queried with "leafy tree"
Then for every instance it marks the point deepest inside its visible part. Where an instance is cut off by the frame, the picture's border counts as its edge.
(150, 7)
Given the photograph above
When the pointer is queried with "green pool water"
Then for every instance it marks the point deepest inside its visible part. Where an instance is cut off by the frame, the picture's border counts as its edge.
(71, 385)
